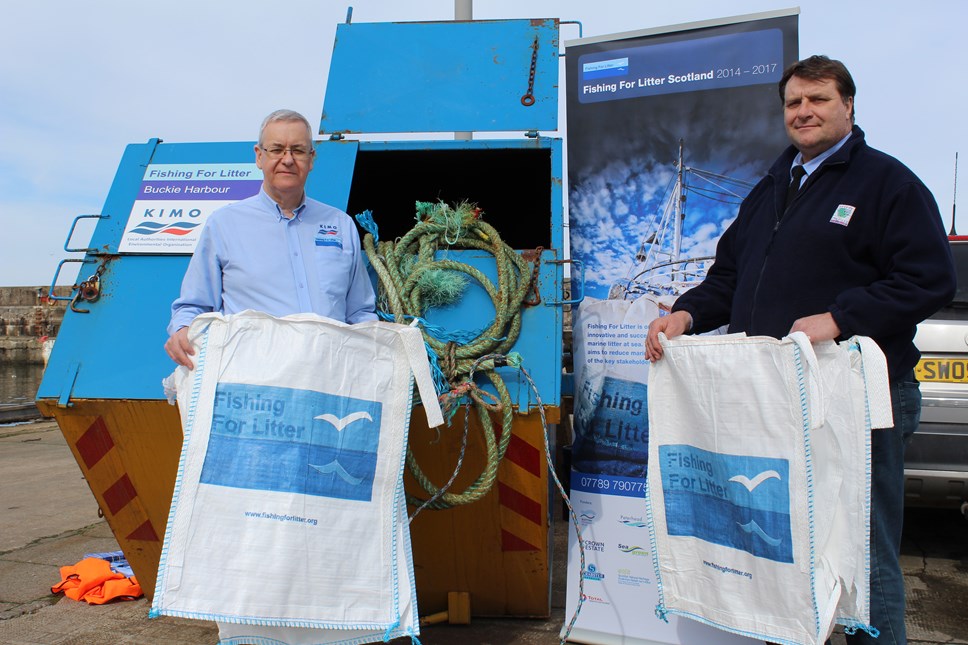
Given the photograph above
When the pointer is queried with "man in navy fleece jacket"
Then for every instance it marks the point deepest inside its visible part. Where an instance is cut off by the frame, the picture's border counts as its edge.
(837, 239)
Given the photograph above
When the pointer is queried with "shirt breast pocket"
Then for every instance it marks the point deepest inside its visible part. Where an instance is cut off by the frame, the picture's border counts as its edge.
(333, 267)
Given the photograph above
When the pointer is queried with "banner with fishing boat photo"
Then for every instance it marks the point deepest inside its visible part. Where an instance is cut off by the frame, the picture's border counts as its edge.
(668, 130)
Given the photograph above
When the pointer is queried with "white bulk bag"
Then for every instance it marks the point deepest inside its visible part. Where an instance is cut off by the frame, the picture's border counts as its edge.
(288, 522)
(759, 482)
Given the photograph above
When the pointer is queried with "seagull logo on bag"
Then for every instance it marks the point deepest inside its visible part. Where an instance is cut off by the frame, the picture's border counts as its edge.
(737, 501)
(334, 466)
(750, 484)
(754, 529)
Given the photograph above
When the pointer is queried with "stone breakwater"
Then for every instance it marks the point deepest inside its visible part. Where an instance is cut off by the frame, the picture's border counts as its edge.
(27, 316)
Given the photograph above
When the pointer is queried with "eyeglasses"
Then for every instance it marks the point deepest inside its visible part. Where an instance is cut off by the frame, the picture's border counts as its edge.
(298, 153)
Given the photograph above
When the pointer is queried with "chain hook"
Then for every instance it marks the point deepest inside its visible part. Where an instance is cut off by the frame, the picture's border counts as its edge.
(528, 99)
(89, 290)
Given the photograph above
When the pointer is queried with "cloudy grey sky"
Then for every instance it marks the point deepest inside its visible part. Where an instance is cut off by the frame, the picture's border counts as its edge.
(79, 81)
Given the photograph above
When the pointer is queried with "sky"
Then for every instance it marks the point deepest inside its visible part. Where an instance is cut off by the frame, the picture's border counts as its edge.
(80, 81)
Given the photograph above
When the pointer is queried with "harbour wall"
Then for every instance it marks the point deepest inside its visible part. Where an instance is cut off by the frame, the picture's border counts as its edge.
(27, 316)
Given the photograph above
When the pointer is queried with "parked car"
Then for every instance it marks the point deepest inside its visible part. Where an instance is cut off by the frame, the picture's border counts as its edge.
(936, 462)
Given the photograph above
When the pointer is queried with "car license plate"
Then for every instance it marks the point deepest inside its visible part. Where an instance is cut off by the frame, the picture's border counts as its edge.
(942, 370)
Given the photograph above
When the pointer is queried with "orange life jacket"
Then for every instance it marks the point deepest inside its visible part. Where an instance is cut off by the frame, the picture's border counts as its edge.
(92, 580)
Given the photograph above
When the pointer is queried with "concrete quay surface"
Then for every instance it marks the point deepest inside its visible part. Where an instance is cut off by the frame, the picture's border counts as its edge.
(50, 519)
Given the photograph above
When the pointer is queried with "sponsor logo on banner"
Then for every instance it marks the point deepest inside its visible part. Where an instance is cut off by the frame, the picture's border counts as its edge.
(592, 573)
(738, 501)
(633, 550)
(293, 441)
(629, 578)
(633, 521)
(605, 68)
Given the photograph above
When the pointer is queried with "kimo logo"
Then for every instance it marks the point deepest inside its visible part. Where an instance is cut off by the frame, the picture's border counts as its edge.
(149, 226)
(328, 235)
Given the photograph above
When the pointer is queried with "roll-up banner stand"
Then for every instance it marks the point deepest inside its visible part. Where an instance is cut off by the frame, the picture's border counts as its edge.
(668, 130)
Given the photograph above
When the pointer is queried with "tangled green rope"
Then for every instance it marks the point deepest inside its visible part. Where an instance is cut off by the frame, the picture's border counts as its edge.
(409, 276)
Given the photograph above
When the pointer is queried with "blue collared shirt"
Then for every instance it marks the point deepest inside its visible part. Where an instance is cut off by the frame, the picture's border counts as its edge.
(251, 257)
(814, 163)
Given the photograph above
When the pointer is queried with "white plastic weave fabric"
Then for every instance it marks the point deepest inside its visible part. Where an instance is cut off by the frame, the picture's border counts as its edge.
(759, 482)
(288, 522)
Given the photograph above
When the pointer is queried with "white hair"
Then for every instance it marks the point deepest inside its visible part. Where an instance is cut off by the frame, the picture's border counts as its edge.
(285, 115)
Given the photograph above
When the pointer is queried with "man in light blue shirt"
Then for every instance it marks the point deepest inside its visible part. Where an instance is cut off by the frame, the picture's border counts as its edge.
(278, 252)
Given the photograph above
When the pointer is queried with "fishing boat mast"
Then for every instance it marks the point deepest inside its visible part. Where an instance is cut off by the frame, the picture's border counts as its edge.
(659, 268)
(680, 214)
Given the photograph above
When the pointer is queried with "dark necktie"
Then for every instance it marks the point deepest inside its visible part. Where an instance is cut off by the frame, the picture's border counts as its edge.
(798, 173)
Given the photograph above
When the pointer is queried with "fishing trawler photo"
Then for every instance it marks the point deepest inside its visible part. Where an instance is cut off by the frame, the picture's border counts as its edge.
(663, 267)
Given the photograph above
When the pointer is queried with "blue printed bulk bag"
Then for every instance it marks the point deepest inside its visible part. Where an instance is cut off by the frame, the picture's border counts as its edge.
(759, 482)
(288, 521)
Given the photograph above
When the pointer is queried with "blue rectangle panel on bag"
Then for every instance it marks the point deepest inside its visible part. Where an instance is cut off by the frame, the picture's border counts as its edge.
(738, 501)
(294, 441)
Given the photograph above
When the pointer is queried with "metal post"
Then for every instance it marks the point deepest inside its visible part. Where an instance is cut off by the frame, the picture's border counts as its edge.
(463, 10)
(954, 200)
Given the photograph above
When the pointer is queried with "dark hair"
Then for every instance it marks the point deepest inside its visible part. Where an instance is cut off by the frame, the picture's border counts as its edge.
(821, 68)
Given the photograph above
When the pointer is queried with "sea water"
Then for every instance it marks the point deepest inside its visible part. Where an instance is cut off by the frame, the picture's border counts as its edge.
(19, 382)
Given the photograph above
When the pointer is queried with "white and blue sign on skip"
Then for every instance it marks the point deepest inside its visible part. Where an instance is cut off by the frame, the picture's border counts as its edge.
(738, 501)
(294, 441)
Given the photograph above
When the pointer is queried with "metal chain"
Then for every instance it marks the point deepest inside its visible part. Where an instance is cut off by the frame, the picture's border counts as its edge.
(535, 279)
(528, 99)
(89, 290)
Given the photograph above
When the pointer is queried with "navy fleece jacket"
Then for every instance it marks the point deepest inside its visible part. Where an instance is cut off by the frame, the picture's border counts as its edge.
(863, 240)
